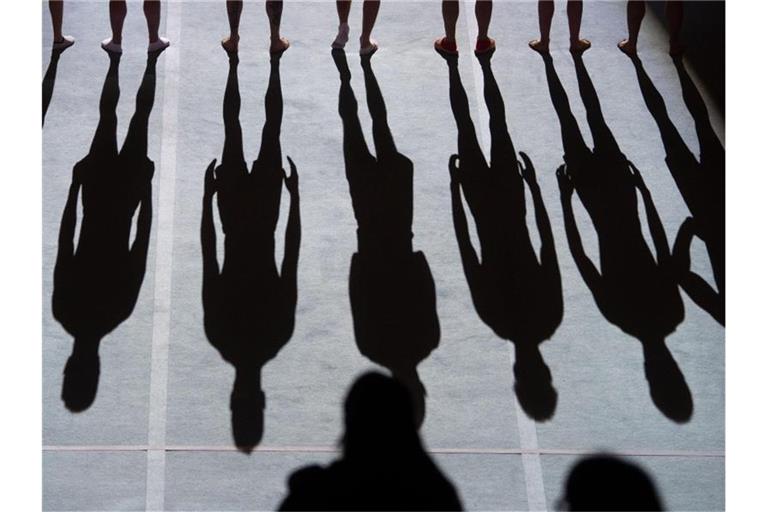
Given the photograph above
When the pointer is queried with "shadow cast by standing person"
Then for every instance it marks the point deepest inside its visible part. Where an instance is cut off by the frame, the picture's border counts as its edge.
(634, 289)
(391, 289)
(97, 282)
(49, 80)
(701, 183)
(249, 308)
(383, 466)
(605, 482)
(516, 293)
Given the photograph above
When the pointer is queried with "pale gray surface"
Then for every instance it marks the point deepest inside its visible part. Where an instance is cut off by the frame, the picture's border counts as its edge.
(94, 480)
(603, 401)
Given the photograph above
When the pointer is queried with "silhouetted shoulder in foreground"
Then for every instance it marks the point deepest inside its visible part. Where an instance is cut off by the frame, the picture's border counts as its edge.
(383, 466)
(603, 482)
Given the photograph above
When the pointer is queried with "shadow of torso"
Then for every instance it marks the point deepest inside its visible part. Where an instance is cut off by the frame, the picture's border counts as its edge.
(248, 318)
(97, 288)
(391, 287)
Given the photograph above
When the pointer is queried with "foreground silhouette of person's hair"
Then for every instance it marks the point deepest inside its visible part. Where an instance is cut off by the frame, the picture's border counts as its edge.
(701, 183)
(96, 284)
(515, 294)
(249, 308)
(391, 289)
(633, 290)
(604, 482)
(383, 466)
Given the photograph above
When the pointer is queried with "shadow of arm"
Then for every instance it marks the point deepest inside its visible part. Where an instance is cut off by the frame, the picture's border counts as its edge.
(140, 247)
(547, 253)
(208, 238)
(289, 268)
(654, 221)
(586, 267)
(469, 259)
(697, 288)
(68, 224)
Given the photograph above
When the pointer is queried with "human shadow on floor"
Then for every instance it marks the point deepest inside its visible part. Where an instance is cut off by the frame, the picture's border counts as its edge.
(701, 183)
(516, 293)
(96, 284)
(249, 308)
(383, 466)
(633, 290)
(605, 482)
(49, 80)
(391, 289)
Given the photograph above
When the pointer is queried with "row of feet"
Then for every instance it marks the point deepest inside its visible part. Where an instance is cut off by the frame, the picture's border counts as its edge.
(368, 46)
(110, 46)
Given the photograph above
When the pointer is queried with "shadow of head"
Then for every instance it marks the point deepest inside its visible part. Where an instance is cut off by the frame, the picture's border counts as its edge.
(247, 406)
(378, 416)
(533, 385)
(604, 482)
(81, 380)
(669, 389)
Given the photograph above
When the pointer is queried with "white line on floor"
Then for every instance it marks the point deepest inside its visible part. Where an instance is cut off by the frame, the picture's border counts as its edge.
(158, 390)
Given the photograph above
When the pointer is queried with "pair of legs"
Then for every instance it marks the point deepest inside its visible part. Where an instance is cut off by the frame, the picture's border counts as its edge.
(483, 10)
(635, 15)
(117, 12)
(274, 9)
(60, 41)
(546, 12)
(370, 11)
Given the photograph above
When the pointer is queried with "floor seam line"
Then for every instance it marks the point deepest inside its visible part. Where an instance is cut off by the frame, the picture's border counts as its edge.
(158, 390)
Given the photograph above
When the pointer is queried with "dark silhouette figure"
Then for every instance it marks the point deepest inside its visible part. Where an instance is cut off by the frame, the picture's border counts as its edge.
(604, 482)
(49, 80)
(701, 183)
(515, 293)
(249, 308)
(633, 290)
(384, 465)
(97, 283)
(391, 289)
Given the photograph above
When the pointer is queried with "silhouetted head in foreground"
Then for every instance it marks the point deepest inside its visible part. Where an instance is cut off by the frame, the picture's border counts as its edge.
(383, 467)
(378, 416)
(603, 482)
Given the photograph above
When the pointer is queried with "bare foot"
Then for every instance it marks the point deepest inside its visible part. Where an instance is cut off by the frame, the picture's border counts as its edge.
(230, 43)
(341, 38)
(540, 46)
(627, 47)
(485, 46)
(445, 47)
(580, 46)
(279, 46)
(63, 43)
(369, 47)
